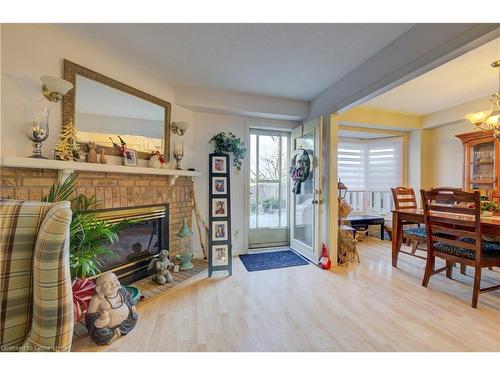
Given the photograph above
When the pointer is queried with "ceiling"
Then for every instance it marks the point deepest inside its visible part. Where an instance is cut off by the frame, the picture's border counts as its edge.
(466, 78)
(295, 61)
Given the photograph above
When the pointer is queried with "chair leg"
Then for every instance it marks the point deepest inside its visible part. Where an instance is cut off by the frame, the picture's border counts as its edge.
(414, 247)
(449, 269)
(463, 268)
(477, 286)
(429, 268)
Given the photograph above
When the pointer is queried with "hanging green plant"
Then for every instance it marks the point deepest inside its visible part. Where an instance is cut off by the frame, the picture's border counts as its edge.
(228, 142)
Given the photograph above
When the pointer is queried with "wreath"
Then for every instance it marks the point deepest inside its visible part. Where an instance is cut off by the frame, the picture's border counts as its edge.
(299, 169)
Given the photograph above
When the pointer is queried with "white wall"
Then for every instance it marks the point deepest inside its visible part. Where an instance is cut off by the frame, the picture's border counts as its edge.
(447, 154)
(414, 159)
(444, 151)
(207, 125)
(30, 51)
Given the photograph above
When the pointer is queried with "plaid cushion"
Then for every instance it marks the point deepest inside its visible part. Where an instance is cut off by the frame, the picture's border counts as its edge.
(35, 284)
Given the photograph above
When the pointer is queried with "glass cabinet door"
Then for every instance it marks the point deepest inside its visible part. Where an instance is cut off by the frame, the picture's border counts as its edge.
(482, 167)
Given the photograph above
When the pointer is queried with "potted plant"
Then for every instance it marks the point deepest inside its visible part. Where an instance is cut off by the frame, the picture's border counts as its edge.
(90, 237)
(228, 142)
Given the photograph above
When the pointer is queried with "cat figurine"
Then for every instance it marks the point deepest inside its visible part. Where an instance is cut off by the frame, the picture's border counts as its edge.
(103, 159)
(92, 153)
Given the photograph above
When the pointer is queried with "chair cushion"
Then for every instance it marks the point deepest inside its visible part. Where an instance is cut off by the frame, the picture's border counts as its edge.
(490, 245)
(416, 232)
(490, 250)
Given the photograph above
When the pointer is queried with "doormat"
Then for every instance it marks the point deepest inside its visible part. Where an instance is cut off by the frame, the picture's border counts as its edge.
(269, 261)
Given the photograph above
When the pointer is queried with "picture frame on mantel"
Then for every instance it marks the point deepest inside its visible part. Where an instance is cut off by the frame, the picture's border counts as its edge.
(219, 210)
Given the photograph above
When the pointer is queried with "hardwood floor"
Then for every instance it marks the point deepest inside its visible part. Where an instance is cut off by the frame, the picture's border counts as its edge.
(368, 307)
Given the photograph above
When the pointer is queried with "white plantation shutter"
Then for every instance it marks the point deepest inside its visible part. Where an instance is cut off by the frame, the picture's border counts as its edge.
(351, 165)
(384, 164)
(371, 165)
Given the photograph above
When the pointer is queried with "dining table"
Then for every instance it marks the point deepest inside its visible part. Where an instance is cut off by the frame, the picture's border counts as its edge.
(490, 225)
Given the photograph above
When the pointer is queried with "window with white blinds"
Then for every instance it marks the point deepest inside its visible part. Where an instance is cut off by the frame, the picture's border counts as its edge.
(369, 168)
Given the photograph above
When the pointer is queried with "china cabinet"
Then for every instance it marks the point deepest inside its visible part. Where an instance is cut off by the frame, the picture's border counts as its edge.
(481, 162)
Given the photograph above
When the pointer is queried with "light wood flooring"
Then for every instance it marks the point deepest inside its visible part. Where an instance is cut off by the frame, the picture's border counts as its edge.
(368, 307)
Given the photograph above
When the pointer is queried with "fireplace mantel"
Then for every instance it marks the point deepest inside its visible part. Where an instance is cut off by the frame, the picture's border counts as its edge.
(67, 167)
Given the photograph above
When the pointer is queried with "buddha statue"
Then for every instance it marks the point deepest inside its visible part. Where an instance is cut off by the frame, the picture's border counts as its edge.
(111, 312)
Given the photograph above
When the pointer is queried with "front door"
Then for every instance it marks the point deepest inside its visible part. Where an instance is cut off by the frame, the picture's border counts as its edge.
(306, 199)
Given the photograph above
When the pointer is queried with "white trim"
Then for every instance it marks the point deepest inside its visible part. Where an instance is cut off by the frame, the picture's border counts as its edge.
(67, 167)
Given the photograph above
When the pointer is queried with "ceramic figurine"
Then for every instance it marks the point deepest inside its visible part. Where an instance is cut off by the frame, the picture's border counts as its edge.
(157, 160)
(161, 264)
(103, 159)
(92, 153)
(111, 312)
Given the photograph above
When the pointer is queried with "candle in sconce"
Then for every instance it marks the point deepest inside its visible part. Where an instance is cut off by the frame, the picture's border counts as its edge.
(178, 154)
(179, 148)
(37, 121)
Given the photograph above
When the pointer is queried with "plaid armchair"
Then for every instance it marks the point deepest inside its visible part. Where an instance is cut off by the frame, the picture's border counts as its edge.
(36, 304)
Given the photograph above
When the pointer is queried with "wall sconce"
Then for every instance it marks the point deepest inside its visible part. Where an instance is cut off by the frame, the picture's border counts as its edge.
(55, 88)
(179, 127)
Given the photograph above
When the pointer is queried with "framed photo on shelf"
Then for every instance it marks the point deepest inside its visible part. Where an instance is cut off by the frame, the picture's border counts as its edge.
(219, 207)
(219, 185)
(219, 230)
(220, 255)
(219, 164)
(130, 158)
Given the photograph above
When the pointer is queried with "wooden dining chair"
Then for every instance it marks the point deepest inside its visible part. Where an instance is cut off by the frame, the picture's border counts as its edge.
(495, 196)
(453, 225)
(405, 198)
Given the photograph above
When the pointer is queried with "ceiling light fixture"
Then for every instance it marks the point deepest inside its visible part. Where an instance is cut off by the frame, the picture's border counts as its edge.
(489, 120)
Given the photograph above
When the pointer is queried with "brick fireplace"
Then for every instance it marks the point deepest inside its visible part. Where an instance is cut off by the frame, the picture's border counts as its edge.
(113, 190)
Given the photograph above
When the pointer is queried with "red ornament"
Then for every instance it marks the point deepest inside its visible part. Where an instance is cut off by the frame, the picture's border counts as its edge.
(324, 261)
(83, 291)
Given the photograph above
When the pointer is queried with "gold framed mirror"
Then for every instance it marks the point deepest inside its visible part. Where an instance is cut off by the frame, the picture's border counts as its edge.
(104, 109)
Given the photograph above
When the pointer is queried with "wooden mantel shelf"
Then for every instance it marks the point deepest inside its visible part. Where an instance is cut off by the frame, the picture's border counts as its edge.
(67, 167)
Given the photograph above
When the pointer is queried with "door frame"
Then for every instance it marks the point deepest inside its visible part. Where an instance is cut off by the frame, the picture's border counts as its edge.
(256, 125)
(315, 125)
(270, 132)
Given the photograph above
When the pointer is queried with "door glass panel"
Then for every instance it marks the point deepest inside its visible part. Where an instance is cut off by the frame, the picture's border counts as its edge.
(269, 157)
(269, 210)
(304, 209)
(482, 167)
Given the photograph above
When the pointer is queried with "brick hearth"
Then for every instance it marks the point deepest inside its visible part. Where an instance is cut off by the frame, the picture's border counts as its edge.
(111, 189)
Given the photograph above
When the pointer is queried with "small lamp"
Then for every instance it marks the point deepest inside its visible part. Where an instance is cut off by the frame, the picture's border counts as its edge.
(179, 127)
(186, 255)
(55, 88)
(342, 189)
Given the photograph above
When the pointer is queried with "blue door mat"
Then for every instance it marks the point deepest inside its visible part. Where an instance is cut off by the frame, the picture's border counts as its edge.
(269, 261)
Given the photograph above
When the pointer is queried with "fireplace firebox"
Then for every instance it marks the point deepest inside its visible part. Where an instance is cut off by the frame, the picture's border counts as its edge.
(139, 242)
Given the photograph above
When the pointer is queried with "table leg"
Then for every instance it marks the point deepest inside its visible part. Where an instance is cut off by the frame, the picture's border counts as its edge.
(382, 231)
(397, 236)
